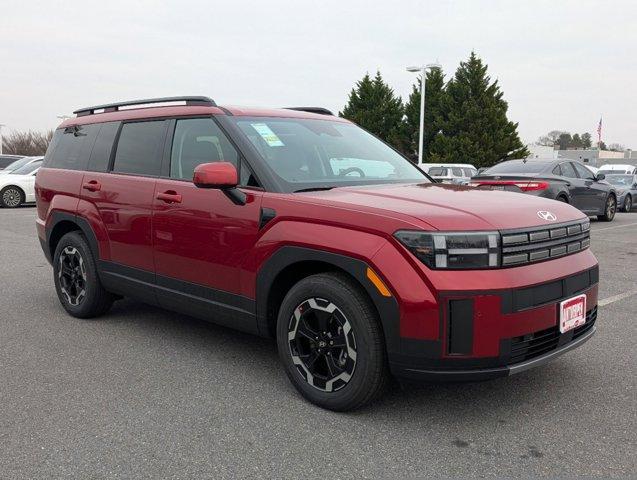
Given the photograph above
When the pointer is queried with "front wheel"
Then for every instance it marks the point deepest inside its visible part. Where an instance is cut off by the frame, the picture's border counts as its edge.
(628, 203)
(331, 343)
(609, 210)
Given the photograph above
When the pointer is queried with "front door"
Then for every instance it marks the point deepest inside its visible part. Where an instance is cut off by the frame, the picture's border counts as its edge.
(201, 238)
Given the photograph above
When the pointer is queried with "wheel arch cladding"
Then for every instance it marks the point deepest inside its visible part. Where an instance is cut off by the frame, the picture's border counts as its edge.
(289, 264)
(63, 223)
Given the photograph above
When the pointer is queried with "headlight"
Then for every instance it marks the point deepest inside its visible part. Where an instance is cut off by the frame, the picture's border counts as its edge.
(465, 250)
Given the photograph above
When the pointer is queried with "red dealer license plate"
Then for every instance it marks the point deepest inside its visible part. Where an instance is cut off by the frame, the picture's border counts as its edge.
(572, 313)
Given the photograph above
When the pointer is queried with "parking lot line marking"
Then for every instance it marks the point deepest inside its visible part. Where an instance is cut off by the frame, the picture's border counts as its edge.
(616, 226)
(616, 298)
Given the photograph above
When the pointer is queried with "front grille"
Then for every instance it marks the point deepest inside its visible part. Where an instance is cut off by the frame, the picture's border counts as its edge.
(538, 343)
(535, 244)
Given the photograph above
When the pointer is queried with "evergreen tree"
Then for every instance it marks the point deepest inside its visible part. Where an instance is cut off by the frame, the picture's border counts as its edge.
(373, 105)
(434, 91)
(475, 128)
(586, 140)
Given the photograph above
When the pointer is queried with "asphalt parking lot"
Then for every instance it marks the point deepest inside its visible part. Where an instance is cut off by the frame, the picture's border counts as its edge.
(146, 393)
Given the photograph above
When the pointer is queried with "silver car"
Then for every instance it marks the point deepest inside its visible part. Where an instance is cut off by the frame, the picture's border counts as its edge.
(626, 187)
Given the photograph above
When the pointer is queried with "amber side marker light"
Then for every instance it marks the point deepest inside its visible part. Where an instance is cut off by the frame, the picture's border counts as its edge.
(378, 283)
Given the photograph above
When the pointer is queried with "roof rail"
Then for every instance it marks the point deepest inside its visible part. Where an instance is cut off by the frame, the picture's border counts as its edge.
(114, 107)
(319, 110)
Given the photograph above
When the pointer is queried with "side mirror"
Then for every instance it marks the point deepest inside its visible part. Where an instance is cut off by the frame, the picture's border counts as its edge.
(222, 176)
(215, 175)
(600, 176)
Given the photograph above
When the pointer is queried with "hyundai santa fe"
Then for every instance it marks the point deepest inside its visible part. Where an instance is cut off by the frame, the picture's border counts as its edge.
(301, 226)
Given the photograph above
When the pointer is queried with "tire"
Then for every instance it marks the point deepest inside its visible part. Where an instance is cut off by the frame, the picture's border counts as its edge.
(11, 197)
(610, 209)
(78, 285)
(628, 204)
(562, 198)
(354, 371)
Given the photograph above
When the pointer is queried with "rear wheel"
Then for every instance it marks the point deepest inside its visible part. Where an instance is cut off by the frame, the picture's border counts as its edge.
(562, 198)
(11, 197)
(628, 203)
(331, 344)
(609, 209)
(76, 280)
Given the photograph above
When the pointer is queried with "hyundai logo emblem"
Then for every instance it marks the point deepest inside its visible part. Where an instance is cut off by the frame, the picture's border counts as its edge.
(548, 216)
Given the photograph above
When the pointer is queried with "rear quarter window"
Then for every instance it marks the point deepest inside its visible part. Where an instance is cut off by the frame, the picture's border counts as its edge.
(70, 147)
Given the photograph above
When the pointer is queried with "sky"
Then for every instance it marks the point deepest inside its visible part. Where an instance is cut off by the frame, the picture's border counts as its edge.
(561, 64)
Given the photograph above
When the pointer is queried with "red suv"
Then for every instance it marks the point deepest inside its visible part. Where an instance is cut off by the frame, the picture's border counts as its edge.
(299, 225)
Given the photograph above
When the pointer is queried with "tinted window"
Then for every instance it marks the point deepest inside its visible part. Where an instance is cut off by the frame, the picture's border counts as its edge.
(557, 171)
(518, 166)
(102, 148)
(583, 172)
(196, 141)
(26, 169)
(437, 172)
(6, 161)
(138, 148)
(70, 147)
(18, 163)
(568, 170)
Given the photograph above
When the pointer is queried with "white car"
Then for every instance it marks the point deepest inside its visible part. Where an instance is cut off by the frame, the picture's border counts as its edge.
(618, 169)
(17, 186)
(450, 172)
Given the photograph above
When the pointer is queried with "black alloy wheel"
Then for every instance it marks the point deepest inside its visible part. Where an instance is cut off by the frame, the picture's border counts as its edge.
(322, 344)
(72, 275)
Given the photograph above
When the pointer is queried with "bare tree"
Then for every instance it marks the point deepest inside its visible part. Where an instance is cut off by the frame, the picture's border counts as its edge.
(616, 147)
(28, 143)
(550, 139)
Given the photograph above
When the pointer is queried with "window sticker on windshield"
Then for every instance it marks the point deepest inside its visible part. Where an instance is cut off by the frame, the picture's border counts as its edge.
(267, 134)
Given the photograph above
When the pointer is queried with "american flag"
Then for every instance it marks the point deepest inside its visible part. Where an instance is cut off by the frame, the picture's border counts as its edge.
(599, 130)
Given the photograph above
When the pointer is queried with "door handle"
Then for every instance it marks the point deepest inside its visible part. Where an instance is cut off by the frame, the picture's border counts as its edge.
(169, 196)
(92, 186)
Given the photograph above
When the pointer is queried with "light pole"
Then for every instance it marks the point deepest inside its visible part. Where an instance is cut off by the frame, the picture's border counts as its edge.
(1, 125)
(423, 74)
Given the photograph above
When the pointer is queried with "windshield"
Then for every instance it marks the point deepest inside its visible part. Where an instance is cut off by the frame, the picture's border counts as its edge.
(309, 154)
(620, 180)
(18, 164)
(517, 166)
(26, 169)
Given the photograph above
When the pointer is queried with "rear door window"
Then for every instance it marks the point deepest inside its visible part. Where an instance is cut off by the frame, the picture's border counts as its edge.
(557, 170)
(101, 153)
(457, 172)
(139, 148)
(568, 170)
(70, 147)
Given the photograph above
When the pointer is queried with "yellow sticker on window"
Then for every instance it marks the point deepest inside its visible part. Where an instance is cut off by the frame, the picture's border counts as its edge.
(267, 134)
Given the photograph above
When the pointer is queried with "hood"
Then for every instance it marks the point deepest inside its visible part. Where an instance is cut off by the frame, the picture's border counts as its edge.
(454, 207)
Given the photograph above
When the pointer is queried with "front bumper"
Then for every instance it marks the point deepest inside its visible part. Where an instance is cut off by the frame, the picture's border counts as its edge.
(477, 374)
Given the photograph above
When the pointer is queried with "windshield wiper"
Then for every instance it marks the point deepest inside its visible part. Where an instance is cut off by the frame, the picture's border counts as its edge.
(313, 189)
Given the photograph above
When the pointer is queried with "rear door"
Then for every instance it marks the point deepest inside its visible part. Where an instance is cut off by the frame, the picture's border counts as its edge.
(120, 186)
(201, 238)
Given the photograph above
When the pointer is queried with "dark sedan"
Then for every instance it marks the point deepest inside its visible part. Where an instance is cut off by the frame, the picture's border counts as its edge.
(559, 179)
